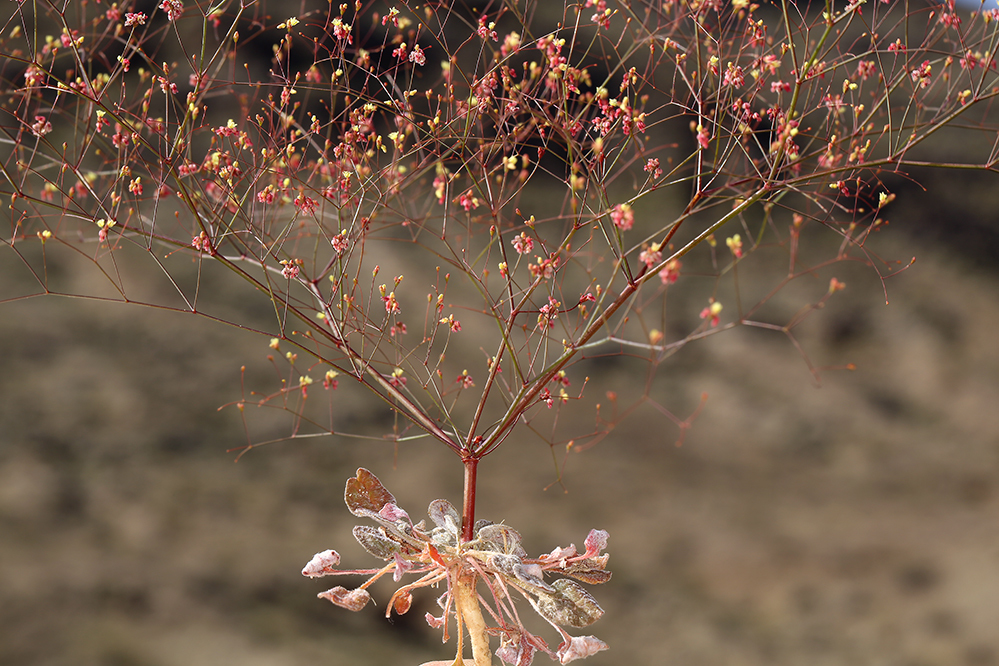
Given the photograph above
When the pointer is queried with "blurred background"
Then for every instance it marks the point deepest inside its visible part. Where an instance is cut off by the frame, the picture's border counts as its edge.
(852, 523)
(849, 523)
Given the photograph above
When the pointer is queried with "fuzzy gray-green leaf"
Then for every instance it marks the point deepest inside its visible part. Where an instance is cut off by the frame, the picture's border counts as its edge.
(569, 605)
(376, 542)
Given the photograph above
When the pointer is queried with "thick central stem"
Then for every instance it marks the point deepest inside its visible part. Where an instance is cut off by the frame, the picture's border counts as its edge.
(470, 614)
(468, 501)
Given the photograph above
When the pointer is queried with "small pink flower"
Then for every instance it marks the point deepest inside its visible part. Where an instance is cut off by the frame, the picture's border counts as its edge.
(173, 8)
(548, 313)
(41, 126)
(712, 312)
(623, 217)
(670, 272)
(306, 204)
(652, 167)
(486, 31)
(165, 85)
(546, 397)
(651, 256)
(266, 195)
(341, 31)
(202, 243)
(523, 243)
(417, 56)
(330, 381)
(468, 201)
(734, 76)
(921, 75)
(133, 19)
(340, 243)
(391, 304)
(703, 137)
(34, 76)
(465, 380)
(735, 245)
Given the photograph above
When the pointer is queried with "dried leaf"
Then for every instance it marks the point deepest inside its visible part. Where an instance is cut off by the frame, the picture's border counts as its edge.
(520, 653)
(376, 542)
(569, 605)
(402, 603)
(366, 492)
(592, 570)
(322, 564)
(354, 600)
(589, 576)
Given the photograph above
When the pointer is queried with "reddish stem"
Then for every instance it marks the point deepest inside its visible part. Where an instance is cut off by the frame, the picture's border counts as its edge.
(471, 463)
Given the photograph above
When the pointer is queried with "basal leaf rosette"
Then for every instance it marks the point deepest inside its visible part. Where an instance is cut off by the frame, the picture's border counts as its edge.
(494, 557)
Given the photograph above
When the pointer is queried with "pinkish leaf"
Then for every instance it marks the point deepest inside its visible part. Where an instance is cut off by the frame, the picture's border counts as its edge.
(322, 564)
(365, 491)
(434, 621)
(392, 513)
(580, 647)
(401, 567)
(560, 553)
(354, 600)
(596, 541)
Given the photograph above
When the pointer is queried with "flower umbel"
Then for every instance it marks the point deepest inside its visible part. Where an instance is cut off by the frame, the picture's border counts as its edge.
(494, 557)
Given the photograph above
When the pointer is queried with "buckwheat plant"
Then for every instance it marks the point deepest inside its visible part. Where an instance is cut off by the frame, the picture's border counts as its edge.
(453, 206)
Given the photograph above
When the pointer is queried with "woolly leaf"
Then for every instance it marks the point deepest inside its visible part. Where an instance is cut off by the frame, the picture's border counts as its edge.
(569, 605)
(322, 564)
(376, 542)
(502, 539)
(444, 515)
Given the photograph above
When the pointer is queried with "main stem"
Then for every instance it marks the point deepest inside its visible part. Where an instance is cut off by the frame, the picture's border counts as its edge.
(470, 614)
(471, 463)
